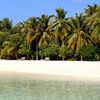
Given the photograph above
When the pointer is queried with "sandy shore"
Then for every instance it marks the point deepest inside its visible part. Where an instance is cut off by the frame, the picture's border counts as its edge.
(52, 69)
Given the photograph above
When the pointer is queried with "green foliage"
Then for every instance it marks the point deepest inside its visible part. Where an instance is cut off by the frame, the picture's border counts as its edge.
(62, 51)
(6, 25)
(8, 51)
(51, 51)
(24, 48)
(65, 53)
(3, 37)
(54, 36)
(88, 53)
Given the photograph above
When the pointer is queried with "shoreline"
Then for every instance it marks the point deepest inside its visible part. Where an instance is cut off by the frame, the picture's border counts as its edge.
(52, 70)
(45, 77)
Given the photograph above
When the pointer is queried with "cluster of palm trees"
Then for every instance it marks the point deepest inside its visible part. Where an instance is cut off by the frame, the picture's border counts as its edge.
(56, 36)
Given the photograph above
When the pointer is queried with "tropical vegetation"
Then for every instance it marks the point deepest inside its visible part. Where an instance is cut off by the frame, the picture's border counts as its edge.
(57, 37)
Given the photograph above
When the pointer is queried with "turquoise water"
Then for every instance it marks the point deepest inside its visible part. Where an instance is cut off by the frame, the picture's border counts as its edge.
(32, 89)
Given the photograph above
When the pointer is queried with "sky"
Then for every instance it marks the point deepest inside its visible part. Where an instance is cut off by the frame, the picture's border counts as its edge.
(21, 10)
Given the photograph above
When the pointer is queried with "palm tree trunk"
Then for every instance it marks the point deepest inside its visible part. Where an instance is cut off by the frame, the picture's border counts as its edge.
(63, 58)
(81, 55)
(81, 58)
(36, 49)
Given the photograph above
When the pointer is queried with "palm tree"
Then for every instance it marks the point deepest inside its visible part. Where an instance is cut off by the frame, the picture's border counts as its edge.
(6, 24)
(91, 14)
(8, 50)
(45, 39)
(0, 25)
(94, 23)
(44, 21)
(61, 25)
(95, 35)
(79, 38)
(33, 37)
(44, 30)
(90, 10)
(39, 31)
(18, 28)
(30, 26)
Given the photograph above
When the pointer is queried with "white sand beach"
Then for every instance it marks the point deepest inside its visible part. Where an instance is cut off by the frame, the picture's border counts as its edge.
(61, 69)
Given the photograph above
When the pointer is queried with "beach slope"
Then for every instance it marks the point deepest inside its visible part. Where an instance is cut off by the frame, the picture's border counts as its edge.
(53, 68)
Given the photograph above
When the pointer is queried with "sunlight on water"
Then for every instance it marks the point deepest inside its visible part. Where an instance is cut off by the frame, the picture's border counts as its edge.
(30, 89)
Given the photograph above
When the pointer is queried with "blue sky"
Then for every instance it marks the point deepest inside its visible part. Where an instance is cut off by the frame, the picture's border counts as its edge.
(20, 10)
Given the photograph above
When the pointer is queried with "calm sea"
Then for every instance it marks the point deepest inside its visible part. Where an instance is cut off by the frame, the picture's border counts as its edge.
(25, 88)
